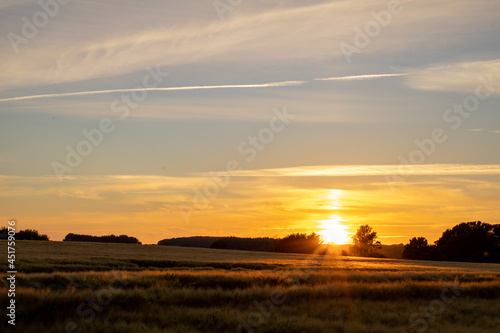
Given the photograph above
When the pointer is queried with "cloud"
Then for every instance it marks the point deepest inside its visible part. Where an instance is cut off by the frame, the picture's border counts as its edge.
(375, 170)
(255, 37)
(461, 77)
(358, 77)
(227, 86)
(107, 47)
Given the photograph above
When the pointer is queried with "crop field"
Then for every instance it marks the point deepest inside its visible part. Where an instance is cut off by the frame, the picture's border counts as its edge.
(88, 287)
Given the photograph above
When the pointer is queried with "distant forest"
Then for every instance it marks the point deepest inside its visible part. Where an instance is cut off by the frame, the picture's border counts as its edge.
(293, 243)
(101, 239)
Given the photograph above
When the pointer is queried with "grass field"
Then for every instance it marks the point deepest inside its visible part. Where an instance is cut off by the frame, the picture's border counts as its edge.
(86, 287)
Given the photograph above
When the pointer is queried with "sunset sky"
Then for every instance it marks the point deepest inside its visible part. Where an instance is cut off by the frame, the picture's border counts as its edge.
(161, 119)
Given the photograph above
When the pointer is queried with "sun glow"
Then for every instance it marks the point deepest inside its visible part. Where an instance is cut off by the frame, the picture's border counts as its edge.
(334, 197)
(333, 231)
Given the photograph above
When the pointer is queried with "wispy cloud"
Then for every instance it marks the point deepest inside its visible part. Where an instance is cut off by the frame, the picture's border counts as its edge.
(461, 77)
(359, 77)
(376, 170)
(96, 92)
(250, 37)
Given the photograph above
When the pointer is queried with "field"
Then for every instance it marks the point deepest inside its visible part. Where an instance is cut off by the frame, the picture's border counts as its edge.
(85, 287)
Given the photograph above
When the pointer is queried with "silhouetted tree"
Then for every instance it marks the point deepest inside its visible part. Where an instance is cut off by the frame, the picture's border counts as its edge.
(299, 243)
(27, 234)
(365, 243)
(4, 233)
(417, 248)
(470, 241)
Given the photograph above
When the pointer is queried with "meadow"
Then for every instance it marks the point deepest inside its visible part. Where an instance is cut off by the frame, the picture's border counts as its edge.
(89, 287)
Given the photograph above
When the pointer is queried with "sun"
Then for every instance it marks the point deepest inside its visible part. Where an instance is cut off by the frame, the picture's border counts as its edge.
(333, 231)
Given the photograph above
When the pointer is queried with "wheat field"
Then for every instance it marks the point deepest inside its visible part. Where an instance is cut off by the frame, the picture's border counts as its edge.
(86, 287)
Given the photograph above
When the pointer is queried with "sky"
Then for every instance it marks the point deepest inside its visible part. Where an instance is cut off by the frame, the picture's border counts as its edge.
(161, 119)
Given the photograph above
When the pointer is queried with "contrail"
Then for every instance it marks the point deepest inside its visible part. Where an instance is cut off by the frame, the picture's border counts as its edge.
(229, 86)
(81, 93)
(358, 77)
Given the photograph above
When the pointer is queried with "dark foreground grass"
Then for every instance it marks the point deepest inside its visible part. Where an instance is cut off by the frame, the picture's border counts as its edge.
(160, 289)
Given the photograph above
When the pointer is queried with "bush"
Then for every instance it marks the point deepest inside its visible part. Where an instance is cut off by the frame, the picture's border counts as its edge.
(27, 234)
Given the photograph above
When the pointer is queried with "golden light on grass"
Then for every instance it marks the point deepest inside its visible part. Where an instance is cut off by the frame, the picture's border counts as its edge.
(333, 231)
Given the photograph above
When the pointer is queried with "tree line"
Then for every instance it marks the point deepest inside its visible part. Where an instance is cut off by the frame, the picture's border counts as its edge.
(32, 234)
(468, 241)
(101, 239)
(27, 234)
(293, 243)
